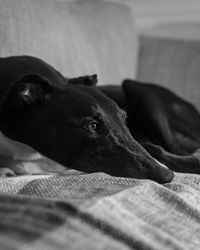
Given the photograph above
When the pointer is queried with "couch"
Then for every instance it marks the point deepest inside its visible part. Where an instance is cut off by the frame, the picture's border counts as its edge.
(76, 210)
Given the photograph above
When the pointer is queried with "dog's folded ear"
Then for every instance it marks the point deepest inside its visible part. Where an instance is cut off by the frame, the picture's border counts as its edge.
(28, 90)
(89, 80)
(34, 89)
(134, 90)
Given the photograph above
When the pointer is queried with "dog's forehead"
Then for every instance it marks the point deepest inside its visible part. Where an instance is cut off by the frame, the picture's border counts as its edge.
(87, 99)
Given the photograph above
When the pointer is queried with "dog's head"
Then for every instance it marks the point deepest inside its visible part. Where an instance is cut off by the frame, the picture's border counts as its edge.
(77, 126)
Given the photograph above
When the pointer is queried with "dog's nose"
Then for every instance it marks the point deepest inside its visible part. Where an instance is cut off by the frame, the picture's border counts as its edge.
(160, 173)
(150, 168)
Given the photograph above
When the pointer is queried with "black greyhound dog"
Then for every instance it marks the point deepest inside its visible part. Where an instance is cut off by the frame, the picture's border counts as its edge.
(81, 126)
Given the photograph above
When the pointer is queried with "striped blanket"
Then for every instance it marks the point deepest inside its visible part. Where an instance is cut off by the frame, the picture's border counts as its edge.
(97, 211)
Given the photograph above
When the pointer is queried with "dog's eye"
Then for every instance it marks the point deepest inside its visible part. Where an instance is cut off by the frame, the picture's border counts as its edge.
(92, 127)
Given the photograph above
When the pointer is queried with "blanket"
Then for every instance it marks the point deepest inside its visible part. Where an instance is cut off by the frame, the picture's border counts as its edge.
(96, 211)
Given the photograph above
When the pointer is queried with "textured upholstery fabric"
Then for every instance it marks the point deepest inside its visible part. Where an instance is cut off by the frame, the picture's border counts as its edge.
(79, 37)
(97, 211)
(170, 56)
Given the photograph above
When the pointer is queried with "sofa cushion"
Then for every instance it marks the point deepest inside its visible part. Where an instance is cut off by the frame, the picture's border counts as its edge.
(170, 56)
(79, 37)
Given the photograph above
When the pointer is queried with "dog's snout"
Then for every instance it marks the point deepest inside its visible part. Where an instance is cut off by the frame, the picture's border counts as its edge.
(138, 163)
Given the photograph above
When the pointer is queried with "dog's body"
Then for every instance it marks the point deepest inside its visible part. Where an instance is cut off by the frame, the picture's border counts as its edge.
(158, 116)
(73, 123)
(167, 126)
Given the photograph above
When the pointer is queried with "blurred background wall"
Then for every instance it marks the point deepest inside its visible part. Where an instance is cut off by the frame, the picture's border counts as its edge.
(152, 12)
(149, 13)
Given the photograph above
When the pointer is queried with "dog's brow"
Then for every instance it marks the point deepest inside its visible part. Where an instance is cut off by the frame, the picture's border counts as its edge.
(97, 110)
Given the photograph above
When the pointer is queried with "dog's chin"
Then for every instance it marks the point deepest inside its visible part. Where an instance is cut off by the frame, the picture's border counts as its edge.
(153, 170)
(160, 173)
(165, 178)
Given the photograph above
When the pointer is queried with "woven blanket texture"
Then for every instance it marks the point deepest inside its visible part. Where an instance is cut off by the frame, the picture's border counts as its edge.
(97, 211)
